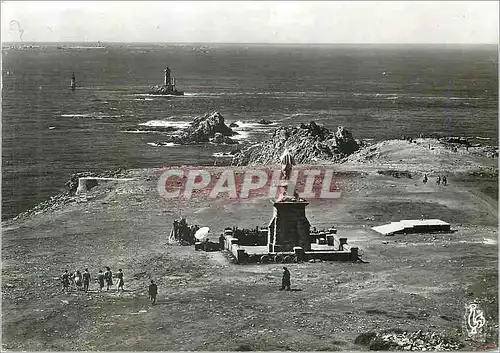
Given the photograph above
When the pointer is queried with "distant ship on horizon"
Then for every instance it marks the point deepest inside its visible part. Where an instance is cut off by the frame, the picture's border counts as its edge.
(168, 88)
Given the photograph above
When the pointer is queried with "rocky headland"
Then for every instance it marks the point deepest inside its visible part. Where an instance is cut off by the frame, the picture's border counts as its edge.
(308, 143)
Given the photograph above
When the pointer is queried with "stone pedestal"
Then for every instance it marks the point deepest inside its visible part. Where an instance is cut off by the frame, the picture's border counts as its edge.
(289, 227)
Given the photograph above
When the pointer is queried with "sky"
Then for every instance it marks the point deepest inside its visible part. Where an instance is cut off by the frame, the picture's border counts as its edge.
(252, 21)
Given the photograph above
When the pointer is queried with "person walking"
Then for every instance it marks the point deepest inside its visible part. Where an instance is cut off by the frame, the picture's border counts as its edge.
(65, 281)
(153, 291)
(86, 280)
(285, 282)
(444, 180)
(425, 179)
(221, 241)
(108, 276)
(100, 280)
(438, 180)
(120, 284)
(77, 277)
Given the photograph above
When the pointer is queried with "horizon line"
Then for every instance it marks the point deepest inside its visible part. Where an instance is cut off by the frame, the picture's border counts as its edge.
(259, 43)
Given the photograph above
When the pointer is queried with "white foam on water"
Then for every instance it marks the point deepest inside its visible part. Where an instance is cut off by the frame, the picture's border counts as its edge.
(483, 138)
(397, 95)
(76, 115)
(251, 125)
(241, 135)
(445, 98)
(139, 131)
(154, 95)
(82, 47)
(90, 115)
(163, 123)
(223, 154)
(167, 144)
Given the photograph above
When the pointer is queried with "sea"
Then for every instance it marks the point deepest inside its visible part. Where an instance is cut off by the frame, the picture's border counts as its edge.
(375, 91)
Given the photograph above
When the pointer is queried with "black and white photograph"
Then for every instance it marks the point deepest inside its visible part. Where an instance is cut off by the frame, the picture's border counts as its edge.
(249, 175)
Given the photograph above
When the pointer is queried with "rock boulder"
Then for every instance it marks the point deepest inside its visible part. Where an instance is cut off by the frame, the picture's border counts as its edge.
(308, 143)
(206, 128)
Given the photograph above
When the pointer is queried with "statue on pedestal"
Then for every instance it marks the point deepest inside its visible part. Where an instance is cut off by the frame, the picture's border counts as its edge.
(287, 163)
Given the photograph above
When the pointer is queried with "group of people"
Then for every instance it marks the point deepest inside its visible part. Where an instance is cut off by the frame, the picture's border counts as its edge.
(183, 233)
(81, 281)
(439, 180)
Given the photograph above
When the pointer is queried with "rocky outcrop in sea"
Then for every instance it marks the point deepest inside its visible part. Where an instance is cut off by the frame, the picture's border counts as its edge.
(164, 90)
(308, 143)
(207, 128)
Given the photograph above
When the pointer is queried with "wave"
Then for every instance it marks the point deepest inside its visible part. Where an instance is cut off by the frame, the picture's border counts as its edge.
(251, 125)
(163, 123)
(483, 138)
(83, 47)
(445, 98)
(90, 115)
(138, 131)
(154, 95)
(241, 135)
(402, 95)
(275, 94)
(76, 115)
(163, 144)
(223, 154)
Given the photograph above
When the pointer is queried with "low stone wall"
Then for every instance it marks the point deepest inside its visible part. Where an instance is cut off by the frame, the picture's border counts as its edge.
(87, 183)
(341, 252)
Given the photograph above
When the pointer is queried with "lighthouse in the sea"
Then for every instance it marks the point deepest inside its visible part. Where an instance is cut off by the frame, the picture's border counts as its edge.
(168, 87)
(167, 77)
(73, 82)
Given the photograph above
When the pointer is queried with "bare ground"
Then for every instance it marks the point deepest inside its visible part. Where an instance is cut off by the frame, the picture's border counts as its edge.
(421, 281)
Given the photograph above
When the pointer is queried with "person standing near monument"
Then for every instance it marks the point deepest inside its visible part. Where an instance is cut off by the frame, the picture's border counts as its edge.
(285, 282)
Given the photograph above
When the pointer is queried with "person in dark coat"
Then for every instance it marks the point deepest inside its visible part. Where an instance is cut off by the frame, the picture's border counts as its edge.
(445, 181)
(108, 276)
(65, 281)
(153, 291)
(86, 279)
(120, 284)
(285, 282)
(221, 241)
